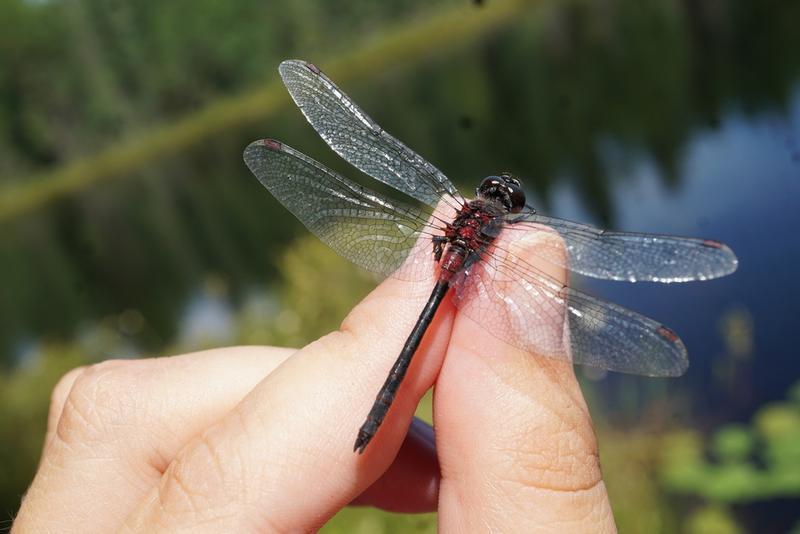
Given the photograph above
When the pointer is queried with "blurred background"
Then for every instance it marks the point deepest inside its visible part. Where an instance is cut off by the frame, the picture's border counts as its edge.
(130, 227)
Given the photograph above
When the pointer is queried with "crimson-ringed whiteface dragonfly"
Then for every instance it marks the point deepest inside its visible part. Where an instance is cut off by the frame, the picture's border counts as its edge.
(473, 246)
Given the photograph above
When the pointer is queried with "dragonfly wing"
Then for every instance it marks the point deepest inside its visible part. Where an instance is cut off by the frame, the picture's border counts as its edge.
(629, 256)
(355, 222)
(358, 139)
(527, 308)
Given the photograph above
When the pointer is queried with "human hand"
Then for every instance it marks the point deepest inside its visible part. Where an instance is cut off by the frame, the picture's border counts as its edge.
(260, 439)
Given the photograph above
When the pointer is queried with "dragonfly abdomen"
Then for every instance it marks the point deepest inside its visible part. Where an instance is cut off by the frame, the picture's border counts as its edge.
(389, 389)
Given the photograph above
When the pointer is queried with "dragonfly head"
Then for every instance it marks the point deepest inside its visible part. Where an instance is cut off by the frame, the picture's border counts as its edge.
(505, 189)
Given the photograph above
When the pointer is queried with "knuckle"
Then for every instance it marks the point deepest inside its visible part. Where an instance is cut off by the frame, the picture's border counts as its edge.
(60, 393)
(100, 404)
(198, 481)
(339, 342)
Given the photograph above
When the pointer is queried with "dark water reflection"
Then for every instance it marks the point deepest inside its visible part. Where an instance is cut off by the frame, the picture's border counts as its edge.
(741, 184)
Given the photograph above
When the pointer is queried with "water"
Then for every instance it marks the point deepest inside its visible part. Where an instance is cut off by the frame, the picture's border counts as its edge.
(740, 183)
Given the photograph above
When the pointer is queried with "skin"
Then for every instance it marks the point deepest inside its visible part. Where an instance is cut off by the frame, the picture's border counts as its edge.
(259, 439)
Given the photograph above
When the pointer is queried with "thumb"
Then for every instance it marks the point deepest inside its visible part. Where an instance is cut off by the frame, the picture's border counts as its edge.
(515, 441)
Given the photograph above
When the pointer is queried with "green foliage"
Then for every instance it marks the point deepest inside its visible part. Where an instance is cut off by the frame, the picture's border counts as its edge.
(630, 460)
(366, 521)
(712, 520)
(746, 464)
(749, 463)
(320, 288)
(733, 443)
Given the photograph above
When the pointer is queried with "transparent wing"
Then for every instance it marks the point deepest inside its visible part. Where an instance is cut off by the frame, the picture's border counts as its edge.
(628, 256)
(529, 309)
(512, 299)
(358, 139)
(361, 226)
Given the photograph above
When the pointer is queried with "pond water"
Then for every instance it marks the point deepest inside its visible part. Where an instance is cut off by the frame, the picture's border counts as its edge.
(740, 183)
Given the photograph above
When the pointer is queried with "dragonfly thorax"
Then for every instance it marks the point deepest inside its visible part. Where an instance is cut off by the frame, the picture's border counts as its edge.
(505, 189)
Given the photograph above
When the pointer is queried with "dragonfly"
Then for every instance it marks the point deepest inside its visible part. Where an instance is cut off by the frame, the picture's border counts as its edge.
(474, 247)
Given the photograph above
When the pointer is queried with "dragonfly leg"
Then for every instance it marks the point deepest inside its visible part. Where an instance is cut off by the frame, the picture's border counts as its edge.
(439, 242)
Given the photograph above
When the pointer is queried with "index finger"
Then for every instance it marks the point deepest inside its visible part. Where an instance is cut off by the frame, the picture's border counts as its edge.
(283, 457)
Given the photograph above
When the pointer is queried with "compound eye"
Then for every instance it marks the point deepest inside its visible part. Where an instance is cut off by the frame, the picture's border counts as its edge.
(490, 181)
(517, 198)
(510, 178)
